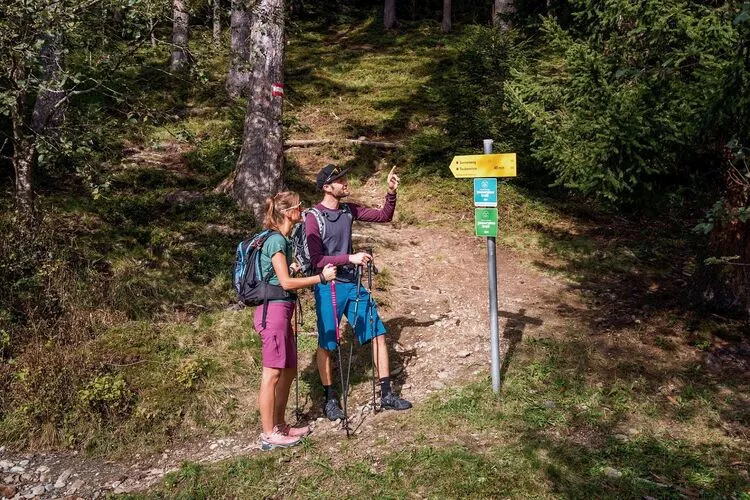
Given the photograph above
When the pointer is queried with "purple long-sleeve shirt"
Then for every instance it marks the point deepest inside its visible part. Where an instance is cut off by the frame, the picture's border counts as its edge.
(337, 246)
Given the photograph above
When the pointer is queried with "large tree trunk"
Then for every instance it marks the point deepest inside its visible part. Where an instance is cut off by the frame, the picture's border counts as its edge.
(389, 14)
(501, 9)
(217, 22)
(180, 55)
(447, 25)
(239, 64)
(260, 165)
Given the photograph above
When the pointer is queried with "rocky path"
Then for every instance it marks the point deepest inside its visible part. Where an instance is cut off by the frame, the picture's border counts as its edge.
(436, 313)
(433, 288)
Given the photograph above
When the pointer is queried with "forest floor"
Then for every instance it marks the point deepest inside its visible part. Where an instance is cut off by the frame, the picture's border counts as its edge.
(612, 384)
(596, 366)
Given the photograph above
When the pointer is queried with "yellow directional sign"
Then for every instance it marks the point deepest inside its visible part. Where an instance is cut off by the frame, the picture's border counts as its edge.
(492, 165)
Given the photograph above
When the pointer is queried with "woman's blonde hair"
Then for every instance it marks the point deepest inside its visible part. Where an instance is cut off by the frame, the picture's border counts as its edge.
(276, 207)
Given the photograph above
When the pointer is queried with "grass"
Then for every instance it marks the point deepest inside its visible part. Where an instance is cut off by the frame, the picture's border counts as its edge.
(563, 426)
(581, 414)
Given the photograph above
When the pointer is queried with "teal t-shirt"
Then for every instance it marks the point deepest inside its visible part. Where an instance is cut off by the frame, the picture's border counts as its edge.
(274, 244)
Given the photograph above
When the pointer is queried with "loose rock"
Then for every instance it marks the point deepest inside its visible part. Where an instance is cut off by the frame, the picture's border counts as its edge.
(8, 491)
(63, 479)
(612, 473)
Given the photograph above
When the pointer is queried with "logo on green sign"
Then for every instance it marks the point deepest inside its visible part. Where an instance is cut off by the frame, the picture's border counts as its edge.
(485, 221)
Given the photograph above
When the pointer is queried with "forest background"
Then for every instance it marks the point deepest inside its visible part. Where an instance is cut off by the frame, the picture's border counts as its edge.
(123, 128)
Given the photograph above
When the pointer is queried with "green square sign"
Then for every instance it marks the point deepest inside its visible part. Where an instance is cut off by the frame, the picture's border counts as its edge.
(485, 221)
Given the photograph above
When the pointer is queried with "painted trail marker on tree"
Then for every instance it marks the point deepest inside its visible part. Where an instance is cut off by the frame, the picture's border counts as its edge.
(485, 169)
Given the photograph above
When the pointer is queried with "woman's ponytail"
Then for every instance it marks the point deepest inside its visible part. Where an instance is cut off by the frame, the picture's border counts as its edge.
(269, 221)
(276, 206)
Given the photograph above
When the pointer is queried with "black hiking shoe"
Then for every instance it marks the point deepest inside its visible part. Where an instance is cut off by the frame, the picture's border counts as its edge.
(332, 410)
(393, 402)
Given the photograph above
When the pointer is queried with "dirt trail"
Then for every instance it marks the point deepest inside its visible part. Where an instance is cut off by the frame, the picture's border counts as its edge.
(436, 309)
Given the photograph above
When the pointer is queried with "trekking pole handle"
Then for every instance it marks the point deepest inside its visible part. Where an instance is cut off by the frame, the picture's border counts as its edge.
(369, 269)
(358, 278)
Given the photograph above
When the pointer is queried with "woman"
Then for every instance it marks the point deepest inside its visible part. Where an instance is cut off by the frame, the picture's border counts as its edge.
(282, 212)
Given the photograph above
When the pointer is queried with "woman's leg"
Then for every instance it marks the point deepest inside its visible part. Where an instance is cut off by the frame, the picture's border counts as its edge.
(282, 394)
(267, 397)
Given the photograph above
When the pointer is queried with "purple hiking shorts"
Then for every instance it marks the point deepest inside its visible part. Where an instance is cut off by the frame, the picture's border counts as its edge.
(277, 338)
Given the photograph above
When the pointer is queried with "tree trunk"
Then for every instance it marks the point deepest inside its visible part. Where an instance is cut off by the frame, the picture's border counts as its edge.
(447, 25)
(24, 151)
(239, 64)
(180, 55)
(48, 113)
(726, 286)
(152, 28)
(217, 22)
(389, 14)
(260, 165)
(501, 9)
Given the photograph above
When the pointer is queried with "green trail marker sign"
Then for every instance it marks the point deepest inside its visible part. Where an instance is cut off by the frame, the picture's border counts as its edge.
(485, 192)
(485, 222)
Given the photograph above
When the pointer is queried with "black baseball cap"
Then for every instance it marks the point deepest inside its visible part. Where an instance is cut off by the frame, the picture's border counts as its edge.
(330, 173)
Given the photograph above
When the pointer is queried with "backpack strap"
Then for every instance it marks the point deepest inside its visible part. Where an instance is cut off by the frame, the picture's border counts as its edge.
(321, 217)
(320, 220)
(262, 241)
(259, 242)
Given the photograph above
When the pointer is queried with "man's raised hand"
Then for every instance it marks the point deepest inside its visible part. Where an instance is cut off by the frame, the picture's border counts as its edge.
(393, 180)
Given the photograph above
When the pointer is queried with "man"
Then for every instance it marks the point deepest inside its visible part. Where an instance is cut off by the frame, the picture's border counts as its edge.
(336, 248)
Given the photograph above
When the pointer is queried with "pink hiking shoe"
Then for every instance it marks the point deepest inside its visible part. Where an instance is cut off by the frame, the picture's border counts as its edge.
(288, 430)
(277, 440)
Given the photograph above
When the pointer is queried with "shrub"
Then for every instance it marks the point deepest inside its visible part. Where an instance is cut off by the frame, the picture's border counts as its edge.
(625, 101)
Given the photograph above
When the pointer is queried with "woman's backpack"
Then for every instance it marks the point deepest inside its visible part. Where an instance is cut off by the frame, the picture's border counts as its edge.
(252, 288)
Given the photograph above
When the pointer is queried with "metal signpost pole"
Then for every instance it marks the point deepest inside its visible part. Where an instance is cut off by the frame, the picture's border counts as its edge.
(486, 169)
(492, 266)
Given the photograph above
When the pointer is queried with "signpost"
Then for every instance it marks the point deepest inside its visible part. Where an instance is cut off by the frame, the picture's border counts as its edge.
(486, 165)
(485, 169)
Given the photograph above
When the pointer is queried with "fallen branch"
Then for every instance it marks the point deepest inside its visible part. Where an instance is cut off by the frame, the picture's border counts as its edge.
(306, 143)
(375, 144)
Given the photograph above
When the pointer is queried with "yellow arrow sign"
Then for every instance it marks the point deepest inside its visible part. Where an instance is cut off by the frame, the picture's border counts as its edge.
(493, 165)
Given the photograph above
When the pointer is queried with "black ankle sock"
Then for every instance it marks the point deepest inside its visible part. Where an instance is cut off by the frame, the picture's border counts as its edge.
(385, 386)
(328, 389)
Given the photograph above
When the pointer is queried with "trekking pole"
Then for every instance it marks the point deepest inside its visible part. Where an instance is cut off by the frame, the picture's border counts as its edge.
(372, 329)
(338, 350)
(297, 411)
(351, 344)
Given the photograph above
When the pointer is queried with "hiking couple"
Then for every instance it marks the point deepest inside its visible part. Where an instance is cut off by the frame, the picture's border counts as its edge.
(331, 255)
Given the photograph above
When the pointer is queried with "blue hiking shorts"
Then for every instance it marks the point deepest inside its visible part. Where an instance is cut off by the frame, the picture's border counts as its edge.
(346, 303)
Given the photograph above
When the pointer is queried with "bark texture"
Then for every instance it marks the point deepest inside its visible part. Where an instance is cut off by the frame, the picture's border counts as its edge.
(260, 165)
(389, 14)
(217, 22)
(240, 64)
(49, 111)
(726, 287)
(447, 24)
(501, 9)
(180, 33)
(24, 153)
